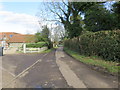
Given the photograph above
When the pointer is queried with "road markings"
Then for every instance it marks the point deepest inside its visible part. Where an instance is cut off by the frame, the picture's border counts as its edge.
(24, 71)
(7, 71)
(70, 77)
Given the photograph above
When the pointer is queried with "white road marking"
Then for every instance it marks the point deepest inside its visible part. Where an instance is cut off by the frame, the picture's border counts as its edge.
(24, 71)
(7, 71)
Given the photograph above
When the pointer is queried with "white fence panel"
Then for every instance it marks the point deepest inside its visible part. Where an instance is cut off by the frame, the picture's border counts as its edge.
(32, 50)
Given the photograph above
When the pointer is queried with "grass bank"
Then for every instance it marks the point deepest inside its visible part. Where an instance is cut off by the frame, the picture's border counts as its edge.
(48, 50)
(111, 67)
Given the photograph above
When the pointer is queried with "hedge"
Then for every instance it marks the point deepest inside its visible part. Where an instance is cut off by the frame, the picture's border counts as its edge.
(105, 44)
(36, 45)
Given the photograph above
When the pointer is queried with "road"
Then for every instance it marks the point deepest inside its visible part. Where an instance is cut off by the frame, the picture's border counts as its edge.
(52, 70)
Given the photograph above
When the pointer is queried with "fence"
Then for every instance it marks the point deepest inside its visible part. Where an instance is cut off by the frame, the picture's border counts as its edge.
(32, 50)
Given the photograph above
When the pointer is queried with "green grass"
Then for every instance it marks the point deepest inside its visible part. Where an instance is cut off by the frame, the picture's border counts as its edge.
(94, 60)
(36, 45)
(47, 51)
(19, 52)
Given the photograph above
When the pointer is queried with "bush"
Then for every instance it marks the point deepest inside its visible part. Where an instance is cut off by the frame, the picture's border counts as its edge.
(105, 44)
(36, 45)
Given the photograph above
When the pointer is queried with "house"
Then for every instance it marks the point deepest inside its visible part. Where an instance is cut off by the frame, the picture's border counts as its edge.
(12, 39)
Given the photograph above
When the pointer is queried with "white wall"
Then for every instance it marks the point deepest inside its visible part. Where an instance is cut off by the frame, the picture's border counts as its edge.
(16, 44)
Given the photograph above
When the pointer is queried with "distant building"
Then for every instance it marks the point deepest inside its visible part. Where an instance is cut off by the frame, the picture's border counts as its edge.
(12, 39)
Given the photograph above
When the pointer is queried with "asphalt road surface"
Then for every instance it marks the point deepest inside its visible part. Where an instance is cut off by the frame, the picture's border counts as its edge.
(52, 70)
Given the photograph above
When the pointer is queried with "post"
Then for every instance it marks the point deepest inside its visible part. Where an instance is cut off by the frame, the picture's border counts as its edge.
(24, 47)
(1, 51)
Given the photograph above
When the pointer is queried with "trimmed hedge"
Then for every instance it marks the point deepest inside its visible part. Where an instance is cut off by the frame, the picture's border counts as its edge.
(105, 44)
(36, 45)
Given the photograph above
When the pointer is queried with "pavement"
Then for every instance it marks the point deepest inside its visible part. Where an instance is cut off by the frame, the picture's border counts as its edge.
(52, 70)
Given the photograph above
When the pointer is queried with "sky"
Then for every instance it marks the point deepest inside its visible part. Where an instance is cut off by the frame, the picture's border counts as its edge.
(19, 17)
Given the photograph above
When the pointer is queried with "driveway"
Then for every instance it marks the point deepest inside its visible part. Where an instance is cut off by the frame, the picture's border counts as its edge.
(52, 70)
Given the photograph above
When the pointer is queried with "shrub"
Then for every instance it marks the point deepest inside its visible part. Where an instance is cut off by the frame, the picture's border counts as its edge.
(36, 45)
(105, 44)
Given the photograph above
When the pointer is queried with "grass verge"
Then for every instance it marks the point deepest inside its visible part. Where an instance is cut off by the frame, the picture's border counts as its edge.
(110, 66)
(47, 51)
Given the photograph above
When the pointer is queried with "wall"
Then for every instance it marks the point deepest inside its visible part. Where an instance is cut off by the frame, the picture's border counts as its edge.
(15, 44)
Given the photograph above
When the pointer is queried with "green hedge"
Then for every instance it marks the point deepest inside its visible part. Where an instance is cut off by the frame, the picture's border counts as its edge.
(105, 44)
(36, 45)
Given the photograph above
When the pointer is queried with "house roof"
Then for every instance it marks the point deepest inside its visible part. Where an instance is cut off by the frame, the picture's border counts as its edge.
(12, 37)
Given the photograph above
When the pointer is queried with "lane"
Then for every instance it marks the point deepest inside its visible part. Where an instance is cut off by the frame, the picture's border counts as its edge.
(68, 74)
(90, 78)
(40, 70)
(45, 74)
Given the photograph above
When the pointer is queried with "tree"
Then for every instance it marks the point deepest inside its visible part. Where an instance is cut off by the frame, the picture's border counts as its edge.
(98, 18)
(45, 33)
(38, 37)
(116, 12)
(58, 34)
(69, 14)
(64, 11)
(45, 36)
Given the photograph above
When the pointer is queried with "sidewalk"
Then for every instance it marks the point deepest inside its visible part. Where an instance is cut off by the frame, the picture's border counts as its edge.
(84, 76)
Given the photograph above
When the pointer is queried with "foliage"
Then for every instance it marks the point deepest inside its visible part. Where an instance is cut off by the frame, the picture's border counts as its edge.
(105, 44)
(69, 14)
(44, 36)
(112, 67)
(116, 12)
(38, 37)
(45, 33)
(36, 45)
(98, 18)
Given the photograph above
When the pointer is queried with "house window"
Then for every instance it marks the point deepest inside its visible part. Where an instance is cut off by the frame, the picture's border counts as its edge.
(11, 35)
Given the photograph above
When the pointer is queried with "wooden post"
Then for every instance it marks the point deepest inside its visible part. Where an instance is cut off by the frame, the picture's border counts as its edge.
(24, 47)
